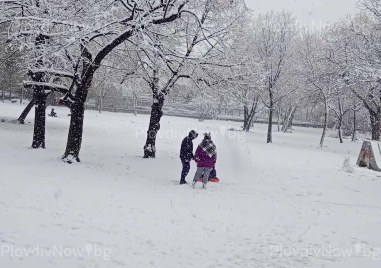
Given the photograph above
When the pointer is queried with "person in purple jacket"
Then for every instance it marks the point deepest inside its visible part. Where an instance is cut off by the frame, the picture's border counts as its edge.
(205, 157)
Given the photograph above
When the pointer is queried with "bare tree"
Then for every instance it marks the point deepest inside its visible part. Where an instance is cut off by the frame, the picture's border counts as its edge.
(319, 74)
(200, 40)
(274, 33)
(354, 46)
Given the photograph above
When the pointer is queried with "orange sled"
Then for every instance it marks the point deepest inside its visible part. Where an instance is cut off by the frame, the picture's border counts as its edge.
(211, 180)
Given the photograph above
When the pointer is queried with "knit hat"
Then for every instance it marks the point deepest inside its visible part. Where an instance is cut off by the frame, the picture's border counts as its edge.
(207, 136)
(193, 134)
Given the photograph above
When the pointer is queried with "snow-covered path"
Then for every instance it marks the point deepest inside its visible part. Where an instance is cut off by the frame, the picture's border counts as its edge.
(287, 204)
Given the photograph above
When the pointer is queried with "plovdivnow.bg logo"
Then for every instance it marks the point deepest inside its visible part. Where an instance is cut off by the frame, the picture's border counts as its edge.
(358, 250)
(55, 251)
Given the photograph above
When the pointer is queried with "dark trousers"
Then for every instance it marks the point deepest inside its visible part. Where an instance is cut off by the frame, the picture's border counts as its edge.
(186, 168)
(213, 174)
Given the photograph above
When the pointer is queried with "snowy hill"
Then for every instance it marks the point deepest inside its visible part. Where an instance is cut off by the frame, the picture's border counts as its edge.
(288, 204)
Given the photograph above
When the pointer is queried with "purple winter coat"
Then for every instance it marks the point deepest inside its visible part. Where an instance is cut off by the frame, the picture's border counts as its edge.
(203, 159)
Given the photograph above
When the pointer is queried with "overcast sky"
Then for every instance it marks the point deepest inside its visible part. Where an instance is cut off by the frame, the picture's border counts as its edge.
(307, 11)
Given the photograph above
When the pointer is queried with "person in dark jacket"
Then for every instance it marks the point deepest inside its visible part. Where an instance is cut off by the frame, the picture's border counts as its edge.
(186, 154)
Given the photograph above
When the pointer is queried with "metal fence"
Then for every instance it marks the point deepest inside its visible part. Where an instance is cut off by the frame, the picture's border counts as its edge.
(172, 107)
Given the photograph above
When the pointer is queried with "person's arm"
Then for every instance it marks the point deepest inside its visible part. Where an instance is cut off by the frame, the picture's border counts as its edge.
(191, 150)
(186, 150)
(182, 149)
(197, 154)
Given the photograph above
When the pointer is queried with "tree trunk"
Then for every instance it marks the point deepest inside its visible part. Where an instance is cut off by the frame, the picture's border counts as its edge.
(245, 117)
(325, 123)
(271, 111)
(39, 97)
(100, 104)
(77, 108)
(74, 140)
(375, 119)
(251, 121)
(21, 95)
(289, 119)
(154, 125)
(340, 123)
(285, 118)
(3, 95)
(39, 119)
(278, 115)
(135, 104)
(26, 111)
(354, 126)
(251, 115)
(340, 133)
(291, 122)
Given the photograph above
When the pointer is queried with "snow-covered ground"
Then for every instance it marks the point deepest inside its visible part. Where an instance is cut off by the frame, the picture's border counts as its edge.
(287, 204)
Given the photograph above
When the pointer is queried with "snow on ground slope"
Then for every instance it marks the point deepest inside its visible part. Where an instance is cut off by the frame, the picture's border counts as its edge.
(286, 204)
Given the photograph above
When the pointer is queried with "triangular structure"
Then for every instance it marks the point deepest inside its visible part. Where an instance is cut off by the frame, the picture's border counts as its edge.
(370, 155)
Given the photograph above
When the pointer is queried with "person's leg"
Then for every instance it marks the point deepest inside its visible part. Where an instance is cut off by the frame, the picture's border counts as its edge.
(185, 171)
(206, 175)
(212, 174)
(198, 174)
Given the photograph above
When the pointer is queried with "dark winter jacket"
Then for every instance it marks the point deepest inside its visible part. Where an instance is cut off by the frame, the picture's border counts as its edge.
(186, 151)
